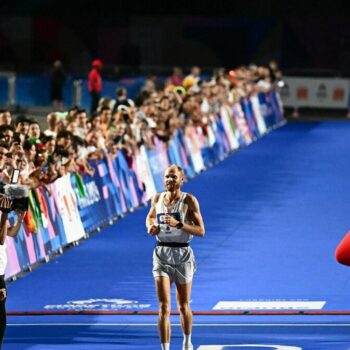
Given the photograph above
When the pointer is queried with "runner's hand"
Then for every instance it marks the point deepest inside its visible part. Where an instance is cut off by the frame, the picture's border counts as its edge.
(171, 221)
(153, 230)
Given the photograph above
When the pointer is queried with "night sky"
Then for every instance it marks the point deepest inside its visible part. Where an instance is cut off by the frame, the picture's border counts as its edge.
(313, 36)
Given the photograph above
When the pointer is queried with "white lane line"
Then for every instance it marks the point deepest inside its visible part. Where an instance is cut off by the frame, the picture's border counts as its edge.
(178, 325)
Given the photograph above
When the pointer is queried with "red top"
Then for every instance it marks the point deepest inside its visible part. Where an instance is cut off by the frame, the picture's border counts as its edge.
(94, 81)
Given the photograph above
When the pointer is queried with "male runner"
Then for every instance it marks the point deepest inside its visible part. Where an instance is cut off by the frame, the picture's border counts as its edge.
(174, 218)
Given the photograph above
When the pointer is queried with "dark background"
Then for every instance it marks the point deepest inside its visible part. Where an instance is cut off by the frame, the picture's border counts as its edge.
(310, 37)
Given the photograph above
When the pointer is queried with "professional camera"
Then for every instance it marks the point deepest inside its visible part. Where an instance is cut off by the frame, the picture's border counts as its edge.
(17, 194)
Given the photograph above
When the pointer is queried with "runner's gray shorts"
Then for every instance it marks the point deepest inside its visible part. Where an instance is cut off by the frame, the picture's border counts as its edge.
(176, 263)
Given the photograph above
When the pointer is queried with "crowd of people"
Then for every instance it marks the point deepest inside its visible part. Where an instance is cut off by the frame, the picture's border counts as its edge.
(77, 136)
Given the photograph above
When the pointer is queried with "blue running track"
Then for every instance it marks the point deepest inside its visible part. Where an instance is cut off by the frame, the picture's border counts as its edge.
(274, 213)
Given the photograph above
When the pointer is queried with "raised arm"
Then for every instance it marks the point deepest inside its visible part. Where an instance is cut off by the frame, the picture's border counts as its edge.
(151, 220)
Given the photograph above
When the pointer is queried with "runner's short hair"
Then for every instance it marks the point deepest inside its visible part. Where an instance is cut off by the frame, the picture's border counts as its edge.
(177, 167)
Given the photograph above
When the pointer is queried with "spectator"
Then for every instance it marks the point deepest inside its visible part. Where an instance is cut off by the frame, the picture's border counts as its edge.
(29, 152)
(95, 122)
(34, 132)
(50, 144)
(22, 126)
(106, 117)
(122, 99)
(95, 84)
(71, 113)
(150, 84)
(6, 133)
(192, 80)
(220, 77)
(73, 127)
(4, 176)
(274, 71)
(5, 117)
(176, 78)
(52, 124)
(264, 82)
(95, 146)
(64, 139)
(82, 123)
(57, 80)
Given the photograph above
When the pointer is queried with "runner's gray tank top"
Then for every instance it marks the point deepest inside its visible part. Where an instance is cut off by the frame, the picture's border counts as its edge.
(167, 233)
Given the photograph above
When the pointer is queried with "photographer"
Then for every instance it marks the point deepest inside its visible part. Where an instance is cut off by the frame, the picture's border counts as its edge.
(12, 197)
(5, 205)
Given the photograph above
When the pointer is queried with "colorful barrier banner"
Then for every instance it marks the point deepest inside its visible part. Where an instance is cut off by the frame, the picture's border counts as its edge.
(144, 171)
(194, 148)
(158, 160)
(185, 153)
(257, 114)
(36, 241)
(128, 182)
(229, 126)
(67, 206)
(242, 125)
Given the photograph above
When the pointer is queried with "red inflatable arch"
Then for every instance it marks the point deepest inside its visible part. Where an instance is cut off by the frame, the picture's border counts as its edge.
(342, 253)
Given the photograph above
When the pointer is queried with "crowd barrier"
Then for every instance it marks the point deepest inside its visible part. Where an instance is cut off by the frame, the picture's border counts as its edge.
(79, 205)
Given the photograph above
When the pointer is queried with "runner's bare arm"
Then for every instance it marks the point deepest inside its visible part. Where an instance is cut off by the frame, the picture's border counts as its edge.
(194, 224)
(151, 220)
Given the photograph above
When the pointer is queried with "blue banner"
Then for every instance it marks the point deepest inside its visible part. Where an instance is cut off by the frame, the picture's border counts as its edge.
(92, 208)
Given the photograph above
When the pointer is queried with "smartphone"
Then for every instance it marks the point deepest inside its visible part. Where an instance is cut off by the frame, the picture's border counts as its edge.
(15, 176)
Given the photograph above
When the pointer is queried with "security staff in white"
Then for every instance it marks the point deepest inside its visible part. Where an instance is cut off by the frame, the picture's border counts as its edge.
(174, 218)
